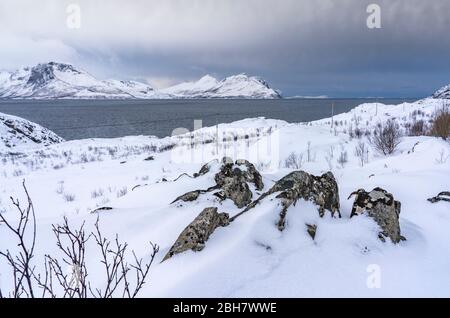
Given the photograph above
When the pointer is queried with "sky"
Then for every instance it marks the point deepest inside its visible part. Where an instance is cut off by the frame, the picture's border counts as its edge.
(301, 47)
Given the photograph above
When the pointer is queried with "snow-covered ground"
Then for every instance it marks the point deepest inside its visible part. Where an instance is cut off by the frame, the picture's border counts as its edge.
(250, 257)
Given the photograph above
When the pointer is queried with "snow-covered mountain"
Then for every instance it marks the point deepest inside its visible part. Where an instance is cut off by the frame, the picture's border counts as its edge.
(56, 80)
(64, 81)
(17, 132)
(443, 92)
(237, 86)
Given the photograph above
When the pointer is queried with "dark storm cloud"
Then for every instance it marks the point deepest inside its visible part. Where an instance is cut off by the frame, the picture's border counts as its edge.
(303, 47)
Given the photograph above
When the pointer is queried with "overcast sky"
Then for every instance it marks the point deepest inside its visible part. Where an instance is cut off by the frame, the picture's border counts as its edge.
(302, 47)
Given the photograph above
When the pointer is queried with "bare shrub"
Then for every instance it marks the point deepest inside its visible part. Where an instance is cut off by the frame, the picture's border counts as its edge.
(441, 124)
(97, 193)
(386, 137)
(21, 263)
(294, 161)
(358, 132)
(443, 157)
(122, 192)
(362, 152)
(60, 188)
(343, 158)
(418, 128)
(68, 197)
(122, 279)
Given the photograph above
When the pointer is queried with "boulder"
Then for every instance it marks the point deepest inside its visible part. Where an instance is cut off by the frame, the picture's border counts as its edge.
(321, 190)
(187, 197)
(195, 235)
(381, 206)
(233, 179)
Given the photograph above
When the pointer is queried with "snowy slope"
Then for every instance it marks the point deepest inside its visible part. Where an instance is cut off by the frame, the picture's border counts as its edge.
(55, 80)
(238, 86)
(17, 133)
(444, 92)
(136, 89)
(58, 80)
(249, 258)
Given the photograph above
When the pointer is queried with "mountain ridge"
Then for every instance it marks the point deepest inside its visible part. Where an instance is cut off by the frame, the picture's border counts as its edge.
(54, 80)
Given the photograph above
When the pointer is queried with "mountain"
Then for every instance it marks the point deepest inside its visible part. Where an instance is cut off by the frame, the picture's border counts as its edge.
(444, 92)
(237, 86)
(56, 80)
(16, 131)
(64, 81)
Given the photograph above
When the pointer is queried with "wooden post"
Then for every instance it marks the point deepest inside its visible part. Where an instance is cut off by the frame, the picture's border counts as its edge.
(332, 115)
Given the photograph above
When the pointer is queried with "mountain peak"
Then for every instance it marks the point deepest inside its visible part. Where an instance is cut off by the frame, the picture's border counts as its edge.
(443, 93)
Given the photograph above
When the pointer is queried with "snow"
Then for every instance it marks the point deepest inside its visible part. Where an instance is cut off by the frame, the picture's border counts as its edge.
(64, 81)
(250, 258)
(237, 86)
(17, 133)
(444, 92)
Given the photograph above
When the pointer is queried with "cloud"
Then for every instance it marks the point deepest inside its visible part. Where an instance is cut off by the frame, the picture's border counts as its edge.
(304, 47)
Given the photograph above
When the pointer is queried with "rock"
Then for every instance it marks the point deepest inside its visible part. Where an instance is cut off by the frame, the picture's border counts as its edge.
(312, 229)
(195, 235)
(205, 168)
(104, 208)
(233, 183)
(443, 196)
(321, 190)
(251, 174)
(192, 195)
(227, 161)
(381, 206)
(150, 158)
(188, 197)
(233, 179)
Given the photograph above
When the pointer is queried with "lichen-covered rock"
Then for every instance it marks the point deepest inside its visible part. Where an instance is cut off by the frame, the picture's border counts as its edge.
(251, 174)
(188, 197)
(233, 179)
(195, 235)
(205, 168)
(321, 190)
(381, 206)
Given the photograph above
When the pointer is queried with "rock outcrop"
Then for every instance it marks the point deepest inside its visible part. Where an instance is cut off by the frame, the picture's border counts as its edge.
(233, 179)
(321, 190)
(381, 206)
(195, 235)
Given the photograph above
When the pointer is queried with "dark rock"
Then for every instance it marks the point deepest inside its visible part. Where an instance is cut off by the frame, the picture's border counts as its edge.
(188, 197)
(381, 206)
(233, 179)
(151, 158)
(195, 235)
(321, 190)
(205, 169)
(251, 174)
(234, 185)
(104, 208)
(443, 196)
(312, 229)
